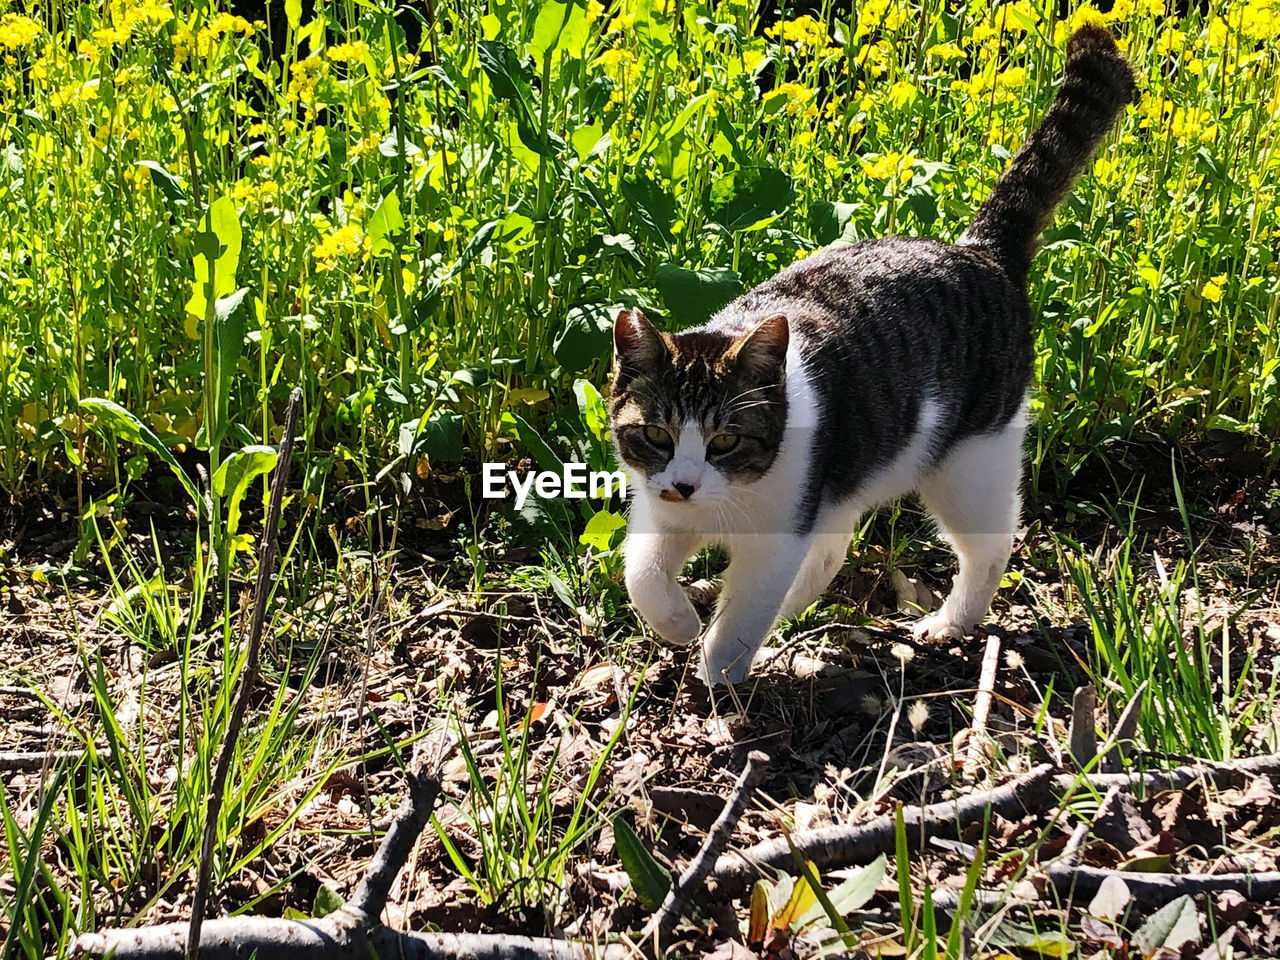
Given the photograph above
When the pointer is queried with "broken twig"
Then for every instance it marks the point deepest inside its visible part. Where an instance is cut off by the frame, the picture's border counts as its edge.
(704, 861)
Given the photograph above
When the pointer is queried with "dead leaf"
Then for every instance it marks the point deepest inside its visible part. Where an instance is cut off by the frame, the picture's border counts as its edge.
(1111, 899)
(1173, 926)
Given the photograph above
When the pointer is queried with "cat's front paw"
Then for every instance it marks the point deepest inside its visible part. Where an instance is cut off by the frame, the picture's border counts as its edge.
(675, 624)
(936, 628)
(724, 663)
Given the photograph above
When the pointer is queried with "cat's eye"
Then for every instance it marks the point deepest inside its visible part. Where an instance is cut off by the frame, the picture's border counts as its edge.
(657, 436)
(723, 442)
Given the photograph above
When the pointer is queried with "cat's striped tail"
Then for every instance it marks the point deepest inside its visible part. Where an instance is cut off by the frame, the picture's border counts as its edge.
(1097, 84)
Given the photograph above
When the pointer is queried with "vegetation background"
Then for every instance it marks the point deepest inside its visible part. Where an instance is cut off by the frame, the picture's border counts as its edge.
(425, 216)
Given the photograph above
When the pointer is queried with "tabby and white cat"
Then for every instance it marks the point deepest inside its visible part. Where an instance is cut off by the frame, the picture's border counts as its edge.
(853, 376)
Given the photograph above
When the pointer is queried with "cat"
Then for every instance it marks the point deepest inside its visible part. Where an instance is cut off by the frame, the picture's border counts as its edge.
(853, 376)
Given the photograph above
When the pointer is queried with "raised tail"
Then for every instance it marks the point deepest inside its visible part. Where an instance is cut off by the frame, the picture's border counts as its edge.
(1097, 84)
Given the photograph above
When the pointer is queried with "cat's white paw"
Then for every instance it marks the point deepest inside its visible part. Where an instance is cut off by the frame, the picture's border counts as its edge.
(716, 672)
(676, 625)
(937, 627)
(724, 662)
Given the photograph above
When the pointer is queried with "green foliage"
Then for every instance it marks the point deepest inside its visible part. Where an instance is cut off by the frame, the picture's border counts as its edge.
(387, 211)
(650, 879)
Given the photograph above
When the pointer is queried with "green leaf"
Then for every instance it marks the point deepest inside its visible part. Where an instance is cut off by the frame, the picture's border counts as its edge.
(123, 425)
(851, 895)
(533, 442)
(228, 343)
(587, 336)
(694, 295)
(559, 26)
(441, 437)
(591, 408)
(1170, 928)
(508, 76)
(326, 902)
(431, 286)
(218, 256)
(169, 186)
(650, 879)
(293, 13)
(750, 196)
(828, 220)
(232, 478)
(600, 529)
(384, 223)
(654, 208)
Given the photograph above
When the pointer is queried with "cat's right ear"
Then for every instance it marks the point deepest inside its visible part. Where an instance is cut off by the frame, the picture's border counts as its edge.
(636, 342)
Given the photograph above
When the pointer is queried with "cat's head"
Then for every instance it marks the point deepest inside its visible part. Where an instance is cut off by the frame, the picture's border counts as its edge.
(695, 414)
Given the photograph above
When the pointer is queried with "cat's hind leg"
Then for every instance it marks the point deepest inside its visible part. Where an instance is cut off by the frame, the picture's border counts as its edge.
(973, 496)
(653, 561)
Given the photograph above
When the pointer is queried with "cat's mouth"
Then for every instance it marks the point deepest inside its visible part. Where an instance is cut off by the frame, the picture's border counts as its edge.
(675, 495)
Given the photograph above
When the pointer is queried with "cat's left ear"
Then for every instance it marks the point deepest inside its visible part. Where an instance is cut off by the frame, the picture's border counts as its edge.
(764, 349)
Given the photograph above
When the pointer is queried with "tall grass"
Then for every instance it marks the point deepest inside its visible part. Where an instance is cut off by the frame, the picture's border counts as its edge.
(431, 218)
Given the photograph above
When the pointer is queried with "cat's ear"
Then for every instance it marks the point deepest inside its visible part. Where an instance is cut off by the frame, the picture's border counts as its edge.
(763, 350)
(636, 341)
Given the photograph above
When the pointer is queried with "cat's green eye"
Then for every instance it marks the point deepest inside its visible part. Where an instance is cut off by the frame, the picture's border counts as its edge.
(723, 442)
(657, 436)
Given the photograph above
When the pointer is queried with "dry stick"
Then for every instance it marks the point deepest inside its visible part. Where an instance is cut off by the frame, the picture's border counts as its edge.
(1126, 727)
(848, 844)
(1157, 889)
(38, 759)
(982, 706)
(266, 573)
(704, 861)
(351, 933)
(843, 845)
(1084, 725)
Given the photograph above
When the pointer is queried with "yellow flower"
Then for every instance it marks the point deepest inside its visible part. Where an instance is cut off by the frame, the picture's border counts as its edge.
(345, 52)
(223, 23)
(303, 77)
(1170, 41)
(895, 167)
(183, 41)
(1192, 123)
(903, 93)
(345, 241)
(1012, 79)
(945, 51)
(623, 21)
(17, 31)
(110, 36)
(1212, 289)
(612, 59)
(797, 96)
(805, 32)
(75, 93)
(751, 59)
(594, 10)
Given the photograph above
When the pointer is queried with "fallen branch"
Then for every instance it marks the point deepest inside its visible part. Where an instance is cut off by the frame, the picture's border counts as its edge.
(849, 844)
(1157, 889)
(700, 867)
(844, 845)
(38, 760)
(350, 933)
(976, 747)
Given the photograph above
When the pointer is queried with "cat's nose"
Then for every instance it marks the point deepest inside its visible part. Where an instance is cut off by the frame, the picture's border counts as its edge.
(685, 489)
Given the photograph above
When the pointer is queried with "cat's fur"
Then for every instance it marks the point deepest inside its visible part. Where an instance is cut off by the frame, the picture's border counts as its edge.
(853, 376)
